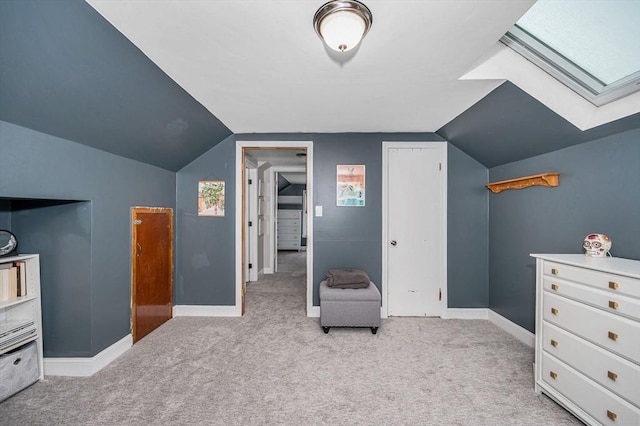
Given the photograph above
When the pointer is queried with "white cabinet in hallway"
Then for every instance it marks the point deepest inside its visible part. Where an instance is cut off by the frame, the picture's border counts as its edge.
(289, 229)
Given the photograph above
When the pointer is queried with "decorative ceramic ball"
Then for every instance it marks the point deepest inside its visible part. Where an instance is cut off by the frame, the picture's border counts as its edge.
(596, 245)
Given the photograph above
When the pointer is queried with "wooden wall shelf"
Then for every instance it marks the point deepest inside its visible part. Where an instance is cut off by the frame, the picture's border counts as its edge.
(543, 179)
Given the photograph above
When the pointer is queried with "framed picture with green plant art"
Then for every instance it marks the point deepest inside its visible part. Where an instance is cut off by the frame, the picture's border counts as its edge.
(211, 198)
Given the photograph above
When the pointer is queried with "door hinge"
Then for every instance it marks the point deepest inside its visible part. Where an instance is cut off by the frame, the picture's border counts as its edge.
(439, 294)
(250, 223)
(440, 166)
(250, 265)
(250, 182)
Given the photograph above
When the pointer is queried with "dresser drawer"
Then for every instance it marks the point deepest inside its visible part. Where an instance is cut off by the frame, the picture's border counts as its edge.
(598, 402)
(289, 222)
(289, 230)
(608, 300)
(602, 280)
(616, 333)
(611, 371)
(288, 214)
(288, 245)
(288, 237)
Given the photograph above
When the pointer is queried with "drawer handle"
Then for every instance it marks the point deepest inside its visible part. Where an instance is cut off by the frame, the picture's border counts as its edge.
(554, 271)
(613, 376)
(613, 416)
(554, 311)
(553, 374)
(612, 335)
(613, 285)
(554, 343)
(613, 305)
(555, 287)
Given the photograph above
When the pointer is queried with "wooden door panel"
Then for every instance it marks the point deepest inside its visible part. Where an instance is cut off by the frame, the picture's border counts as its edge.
(152, 289)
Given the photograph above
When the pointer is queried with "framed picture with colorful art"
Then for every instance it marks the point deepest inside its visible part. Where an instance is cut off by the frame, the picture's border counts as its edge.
(350, 189)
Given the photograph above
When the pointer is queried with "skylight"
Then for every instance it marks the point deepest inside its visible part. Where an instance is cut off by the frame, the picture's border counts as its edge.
(591, 46)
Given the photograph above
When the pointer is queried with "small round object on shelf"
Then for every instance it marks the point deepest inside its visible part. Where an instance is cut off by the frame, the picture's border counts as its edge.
(8, 243)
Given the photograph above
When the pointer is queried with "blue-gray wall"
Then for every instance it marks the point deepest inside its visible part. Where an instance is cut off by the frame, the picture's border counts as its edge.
(352, 237)
(5, 213)
(343, 237)
(467, 232)
(34, 165)
(347, 237)
(60, 232)
(66, 71)
(598, 192)
(94, 308)
(294, 189)
(205, 246)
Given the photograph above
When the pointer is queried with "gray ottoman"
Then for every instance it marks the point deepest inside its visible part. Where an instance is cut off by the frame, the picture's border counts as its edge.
(347, 307)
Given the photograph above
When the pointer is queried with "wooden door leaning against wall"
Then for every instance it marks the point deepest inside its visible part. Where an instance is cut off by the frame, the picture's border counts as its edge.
(151, 269)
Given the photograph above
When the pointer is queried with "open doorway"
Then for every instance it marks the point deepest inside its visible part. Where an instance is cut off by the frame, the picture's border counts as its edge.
(271, 166)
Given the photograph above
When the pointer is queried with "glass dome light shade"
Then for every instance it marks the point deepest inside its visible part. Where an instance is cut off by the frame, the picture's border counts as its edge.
(343, 30)
(342, 24)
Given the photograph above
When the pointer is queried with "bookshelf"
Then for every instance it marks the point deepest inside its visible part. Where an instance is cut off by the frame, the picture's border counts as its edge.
(21, 317)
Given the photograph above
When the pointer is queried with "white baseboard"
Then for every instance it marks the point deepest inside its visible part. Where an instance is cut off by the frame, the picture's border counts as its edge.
(522, 334)
(451, 313)
(466, 313)
(314, 313)
(206, 311)
(81, 367)
(268, 271)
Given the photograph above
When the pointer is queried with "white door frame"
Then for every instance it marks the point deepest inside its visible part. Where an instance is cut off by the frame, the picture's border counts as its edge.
(308, 146)
(386, 146)
(251, 215)
(269, 222)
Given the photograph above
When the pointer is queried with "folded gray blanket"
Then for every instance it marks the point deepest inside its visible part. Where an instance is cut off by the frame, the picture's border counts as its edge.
(347, 278)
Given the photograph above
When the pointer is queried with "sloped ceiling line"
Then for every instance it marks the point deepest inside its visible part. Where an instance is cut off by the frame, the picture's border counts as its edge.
(166, 81)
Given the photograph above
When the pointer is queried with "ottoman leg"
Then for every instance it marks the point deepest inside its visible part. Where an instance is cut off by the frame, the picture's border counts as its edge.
(374, 330)
(325, 329)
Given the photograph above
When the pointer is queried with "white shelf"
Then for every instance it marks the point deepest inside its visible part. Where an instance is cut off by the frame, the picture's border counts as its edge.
(16, 301)
(25, 307)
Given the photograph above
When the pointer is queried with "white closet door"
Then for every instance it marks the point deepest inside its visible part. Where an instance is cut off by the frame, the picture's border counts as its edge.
(415, 231)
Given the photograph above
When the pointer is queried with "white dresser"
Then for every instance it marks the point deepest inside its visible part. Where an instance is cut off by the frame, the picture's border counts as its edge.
(289, 229)
(587, 354)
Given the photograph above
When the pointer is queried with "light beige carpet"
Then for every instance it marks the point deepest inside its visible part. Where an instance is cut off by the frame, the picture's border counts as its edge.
(276, 366)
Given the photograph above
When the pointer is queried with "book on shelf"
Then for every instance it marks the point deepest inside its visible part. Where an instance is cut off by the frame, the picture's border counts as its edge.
(22, 277)
(4, 281)
(13, 282)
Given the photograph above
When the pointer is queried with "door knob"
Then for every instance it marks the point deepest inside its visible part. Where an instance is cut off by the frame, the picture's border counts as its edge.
(394, 243)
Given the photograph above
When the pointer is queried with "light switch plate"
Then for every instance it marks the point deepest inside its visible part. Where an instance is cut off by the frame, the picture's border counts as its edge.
(318, 211)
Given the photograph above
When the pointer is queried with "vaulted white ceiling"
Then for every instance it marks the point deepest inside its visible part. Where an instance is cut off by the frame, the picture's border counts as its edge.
(258, 66)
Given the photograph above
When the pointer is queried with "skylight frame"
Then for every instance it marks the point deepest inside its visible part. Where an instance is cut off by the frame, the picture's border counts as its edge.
(567, 72)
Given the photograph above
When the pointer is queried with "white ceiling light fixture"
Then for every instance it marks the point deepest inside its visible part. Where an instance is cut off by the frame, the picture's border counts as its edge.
(342, 24)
